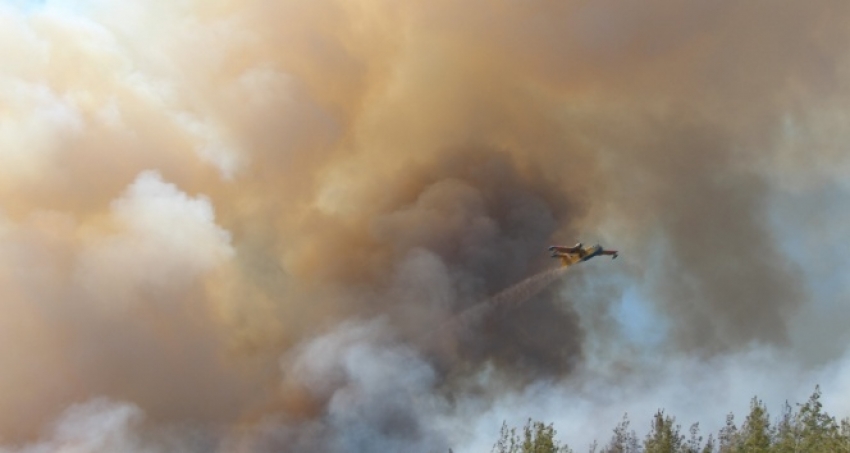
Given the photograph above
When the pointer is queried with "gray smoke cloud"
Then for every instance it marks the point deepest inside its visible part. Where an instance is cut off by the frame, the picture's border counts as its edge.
(227, 225)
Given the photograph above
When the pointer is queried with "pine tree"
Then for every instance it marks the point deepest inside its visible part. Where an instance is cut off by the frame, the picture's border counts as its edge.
(844, 436)
(785, 436)
(537, 437)
(694, 441)
(623, 440)
(664, 436)
(709, 445)
(818, 431)
(729, 437)
(755, 434)
(508, 440)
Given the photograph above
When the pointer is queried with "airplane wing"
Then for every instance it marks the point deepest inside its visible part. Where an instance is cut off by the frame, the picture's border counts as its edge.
(565, 249)
(613, 253)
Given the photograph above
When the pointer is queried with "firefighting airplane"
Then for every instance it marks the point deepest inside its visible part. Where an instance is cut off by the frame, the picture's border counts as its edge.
(577, 253)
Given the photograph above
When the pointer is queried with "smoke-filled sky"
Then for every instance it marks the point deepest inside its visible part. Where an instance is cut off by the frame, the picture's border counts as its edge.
(238, 226)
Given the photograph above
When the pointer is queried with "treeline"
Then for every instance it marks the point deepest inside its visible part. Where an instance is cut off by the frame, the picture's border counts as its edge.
(806, 428)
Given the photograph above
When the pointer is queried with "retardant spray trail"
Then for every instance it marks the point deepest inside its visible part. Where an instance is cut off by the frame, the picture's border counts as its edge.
(444, 336)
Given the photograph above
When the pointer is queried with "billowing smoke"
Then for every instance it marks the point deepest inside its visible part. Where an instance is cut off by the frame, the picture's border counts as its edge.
(239, 225)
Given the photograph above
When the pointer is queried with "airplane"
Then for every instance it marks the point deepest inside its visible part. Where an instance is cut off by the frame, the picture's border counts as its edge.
(577, 253)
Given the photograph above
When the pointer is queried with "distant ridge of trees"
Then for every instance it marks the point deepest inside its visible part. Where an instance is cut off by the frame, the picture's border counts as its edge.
(808, 429)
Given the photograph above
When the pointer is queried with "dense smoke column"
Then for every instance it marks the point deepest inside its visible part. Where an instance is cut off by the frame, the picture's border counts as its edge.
(456, 232)
(489, 224)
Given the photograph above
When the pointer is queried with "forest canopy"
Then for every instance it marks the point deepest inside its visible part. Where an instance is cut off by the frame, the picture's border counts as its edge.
(806, 427)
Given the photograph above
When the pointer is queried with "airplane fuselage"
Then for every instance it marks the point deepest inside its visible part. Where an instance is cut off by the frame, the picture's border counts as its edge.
(591, 252)
(578, 254)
